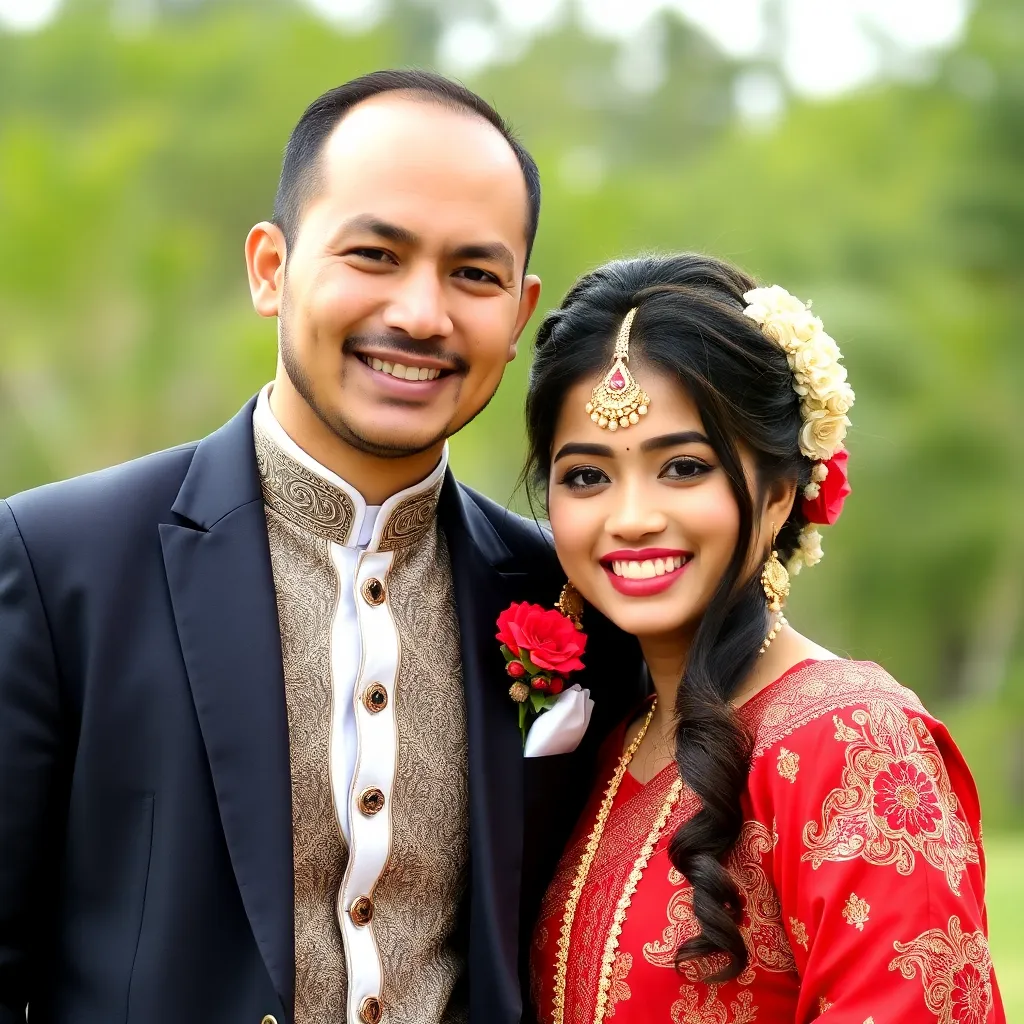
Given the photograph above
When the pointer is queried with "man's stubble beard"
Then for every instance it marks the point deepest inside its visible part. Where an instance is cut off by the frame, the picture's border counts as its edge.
(302, 384)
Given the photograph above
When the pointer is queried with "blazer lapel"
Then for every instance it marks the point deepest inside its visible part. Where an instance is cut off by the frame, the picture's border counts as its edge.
(222, 590)
(482, 591)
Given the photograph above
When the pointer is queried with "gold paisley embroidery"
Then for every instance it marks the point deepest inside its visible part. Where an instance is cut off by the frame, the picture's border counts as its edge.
(299, 495)
(420, 891)
(307, 595)
(895, 803)
(761, 926)
(788, 764)
(955, 969)
(689, 1010)
(619, 991)
(409, 520)
(856, 912)
(799, 930)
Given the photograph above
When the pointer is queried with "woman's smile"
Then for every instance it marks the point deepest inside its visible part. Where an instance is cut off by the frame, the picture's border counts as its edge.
(645, 572)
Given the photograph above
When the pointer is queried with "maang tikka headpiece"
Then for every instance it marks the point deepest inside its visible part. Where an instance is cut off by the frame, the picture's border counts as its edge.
(618, 400)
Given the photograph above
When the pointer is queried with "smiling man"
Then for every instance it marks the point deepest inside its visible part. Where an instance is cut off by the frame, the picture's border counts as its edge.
(258, 761)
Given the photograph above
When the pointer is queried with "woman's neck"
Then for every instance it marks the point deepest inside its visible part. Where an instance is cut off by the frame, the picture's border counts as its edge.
(665, 657)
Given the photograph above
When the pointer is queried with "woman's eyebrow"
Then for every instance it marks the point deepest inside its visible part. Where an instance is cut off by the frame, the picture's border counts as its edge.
(671, 440)
(600, 451)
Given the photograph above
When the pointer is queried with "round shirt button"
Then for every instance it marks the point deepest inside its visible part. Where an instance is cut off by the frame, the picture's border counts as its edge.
(370, 1010)
(375, 698)
(371, 801)
(361, 911)
(373, 592)
(269, 1019)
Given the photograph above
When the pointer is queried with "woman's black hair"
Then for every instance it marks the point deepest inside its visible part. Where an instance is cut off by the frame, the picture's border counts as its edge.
(690, 325)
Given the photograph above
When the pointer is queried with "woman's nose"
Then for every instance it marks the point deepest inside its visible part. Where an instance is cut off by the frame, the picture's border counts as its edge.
(635, 516)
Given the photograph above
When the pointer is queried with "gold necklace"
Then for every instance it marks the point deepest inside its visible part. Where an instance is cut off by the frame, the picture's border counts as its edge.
(587, 860)
(611, 944)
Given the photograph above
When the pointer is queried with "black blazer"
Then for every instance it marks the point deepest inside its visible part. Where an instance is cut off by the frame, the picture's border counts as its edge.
(145, 800)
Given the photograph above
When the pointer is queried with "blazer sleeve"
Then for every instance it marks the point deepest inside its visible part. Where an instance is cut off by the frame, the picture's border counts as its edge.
(880, 870)
(29, 757)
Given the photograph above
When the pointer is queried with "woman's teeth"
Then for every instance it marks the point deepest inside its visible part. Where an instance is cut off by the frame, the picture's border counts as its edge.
(403, 372)
(648, 569)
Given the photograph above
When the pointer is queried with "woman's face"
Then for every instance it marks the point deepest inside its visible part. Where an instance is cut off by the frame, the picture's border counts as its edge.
(644, 519)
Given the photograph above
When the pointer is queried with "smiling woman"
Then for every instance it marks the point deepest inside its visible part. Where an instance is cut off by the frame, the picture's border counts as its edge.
(771, 804)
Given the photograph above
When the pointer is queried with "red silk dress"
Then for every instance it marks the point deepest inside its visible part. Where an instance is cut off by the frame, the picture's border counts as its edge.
(859, 863)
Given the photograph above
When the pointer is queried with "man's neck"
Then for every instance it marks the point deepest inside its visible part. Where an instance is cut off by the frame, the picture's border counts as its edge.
(374, 477)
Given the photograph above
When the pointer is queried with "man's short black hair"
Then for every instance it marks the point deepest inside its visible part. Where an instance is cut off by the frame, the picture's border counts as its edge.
(300, 173)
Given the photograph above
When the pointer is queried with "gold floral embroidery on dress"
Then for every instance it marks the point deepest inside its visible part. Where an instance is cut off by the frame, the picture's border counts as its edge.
(895, 803)
(821, 688)
(688, 1009)
(856, 912)
(761, 927)
(799, 930)
(788, 764)
(956, 971)
(619, 991)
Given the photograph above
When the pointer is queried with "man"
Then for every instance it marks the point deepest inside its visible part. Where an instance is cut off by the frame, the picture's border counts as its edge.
(258, 761)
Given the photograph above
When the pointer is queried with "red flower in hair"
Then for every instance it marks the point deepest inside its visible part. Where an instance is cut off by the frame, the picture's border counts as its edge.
(832, 492)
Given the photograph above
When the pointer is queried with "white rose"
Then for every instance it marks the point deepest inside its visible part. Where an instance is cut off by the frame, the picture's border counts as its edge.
(822, 434)
(810, 546)
(840, 402)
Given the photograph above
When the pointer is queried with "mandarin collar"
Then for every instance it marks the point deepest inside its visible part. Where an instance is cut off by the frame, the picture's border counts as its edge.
(318, 500)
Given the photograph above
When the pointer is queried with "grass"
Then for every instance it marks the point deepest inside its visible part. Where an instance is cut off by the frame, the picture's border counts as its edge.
(1005, 899)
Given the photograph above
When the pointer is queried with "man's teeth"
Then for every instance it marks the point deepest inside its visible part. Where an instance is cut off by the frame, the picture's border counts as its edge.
(648, 569)
(404, 372)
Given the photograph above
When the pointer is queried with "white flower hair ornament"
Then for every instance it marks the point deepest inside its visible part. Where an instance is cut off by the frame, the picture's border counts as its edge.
(825, 400)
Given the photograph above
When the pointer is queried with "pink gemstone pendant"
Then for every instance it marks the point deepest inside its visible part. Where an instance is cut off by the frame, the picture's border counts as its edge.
(618, 382)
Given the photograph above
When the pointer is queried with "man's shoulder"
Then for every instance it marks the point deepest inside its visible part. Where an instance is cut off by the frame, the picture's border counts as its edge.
(523, 536)
(143, 489)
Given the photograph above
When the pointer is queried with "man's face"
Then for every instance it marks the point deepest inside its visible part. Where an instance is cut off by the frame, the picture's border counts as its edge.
(403, 293)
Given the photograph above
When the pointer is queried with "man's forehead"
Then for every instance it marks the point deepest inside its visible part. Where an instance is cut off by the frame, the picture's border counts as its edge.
(413, 159)
(397, 129)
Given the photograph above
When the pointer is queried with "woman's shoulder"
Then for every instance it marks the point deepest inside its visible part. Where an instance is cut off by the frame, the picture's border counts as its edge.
(820, 700)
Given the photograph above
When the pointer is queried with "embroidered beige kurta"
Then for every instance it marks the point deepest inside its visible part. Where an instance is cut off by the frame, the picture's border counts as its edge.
(377, 733)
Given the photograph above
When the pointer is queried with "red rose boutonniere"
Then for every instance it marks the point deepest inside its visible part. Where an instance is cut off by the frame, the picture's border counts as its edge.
(541, 646)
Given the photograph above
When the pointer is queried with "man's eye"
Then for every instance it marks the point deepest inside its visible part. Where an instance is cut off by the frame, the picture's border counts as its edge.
(687, 468)
(583, 477)
(476, 275)
(374, 255)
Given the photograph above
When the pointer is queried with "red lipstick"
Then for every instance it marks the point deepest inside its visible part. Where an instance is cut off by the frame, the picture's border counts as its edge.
(650, 585)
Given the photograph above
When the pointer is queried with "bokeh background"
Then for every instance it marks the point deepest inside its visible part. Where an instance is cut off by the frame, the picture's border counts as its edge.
(866, 153)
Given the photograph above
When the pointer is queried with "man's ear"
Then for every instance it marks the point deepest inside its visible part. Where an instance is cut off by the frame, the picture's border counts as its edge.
(265, 252)
(527, 305)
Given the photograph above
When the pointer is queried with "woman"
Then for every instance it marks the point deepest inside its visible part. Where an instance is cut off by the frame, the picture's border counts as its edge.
(779, 834)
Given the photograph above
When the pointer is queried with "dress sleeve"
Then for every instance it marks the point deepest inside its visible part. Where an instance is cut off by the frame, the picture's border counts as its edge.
(880, 871)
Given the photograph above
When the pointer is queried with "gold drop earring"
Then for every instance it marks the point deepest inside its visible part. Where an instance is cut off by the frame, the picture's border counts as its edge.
(775, 583)
(570, 604)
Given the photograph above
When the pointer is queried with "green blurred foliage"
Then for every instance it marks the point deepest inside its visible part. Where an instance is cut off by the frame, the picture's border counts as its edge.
(133, 160)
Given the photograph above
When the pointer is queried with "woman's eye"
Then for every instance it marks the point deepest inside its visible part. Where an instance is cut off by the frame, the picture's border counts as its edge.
(476, 275)
(685, 469)
(584, 477)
